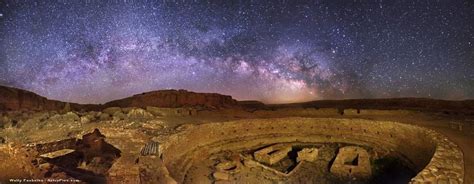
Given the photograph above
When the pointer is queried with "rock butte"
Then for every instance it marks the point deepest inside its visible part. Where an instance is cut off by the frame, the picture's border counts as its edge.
(176, 136)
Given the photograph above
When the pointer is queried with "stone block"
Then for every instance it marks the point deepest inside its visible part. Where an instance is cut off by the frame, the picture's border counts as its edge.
(353, 162)
(308, 154)
(221, 176)
(272, 154)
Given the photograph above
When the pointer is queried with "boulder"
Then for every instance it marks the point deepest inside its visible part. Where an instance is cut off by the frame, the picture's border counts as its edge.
(221, 176)
(112, 110)
(156, 111)
(64, 119)
(308, 154)
(119, 115)
(104, 116)
(70, 116)
(85, 119)
(46, 166)
(139, 113)
(32, 122)
(126, 110)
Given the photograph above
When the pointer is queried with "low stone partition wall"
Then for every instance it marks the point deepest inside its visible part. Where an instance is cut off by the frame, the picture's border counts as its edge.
(427, 152)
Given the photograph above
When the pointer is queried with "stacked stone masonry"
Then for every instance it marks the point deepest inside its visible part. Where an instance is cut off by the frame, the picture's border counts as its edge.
(431, 154)
(352, 161)
(272, 154)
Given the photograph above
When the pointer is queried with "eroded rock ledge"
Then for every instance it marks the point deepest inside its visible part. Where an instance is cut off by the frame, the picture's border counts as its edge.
(174, 98)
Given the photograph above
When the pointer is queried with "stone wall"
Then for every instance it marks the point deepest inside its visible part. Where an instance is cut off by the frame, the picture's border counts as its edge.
(429, 152)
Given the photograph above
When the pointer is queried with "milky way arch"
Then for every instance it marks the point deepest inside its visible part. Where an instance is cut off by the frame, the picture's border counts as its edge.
(96, 51)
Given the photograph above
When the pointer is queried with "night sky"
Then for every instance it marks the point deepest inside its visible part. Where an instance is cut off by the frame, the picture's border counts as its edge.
(278, 52)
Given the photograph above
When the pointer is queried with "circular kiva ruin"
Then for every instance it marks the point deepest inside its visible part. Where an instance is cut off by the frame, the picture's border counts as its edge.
(322, 150)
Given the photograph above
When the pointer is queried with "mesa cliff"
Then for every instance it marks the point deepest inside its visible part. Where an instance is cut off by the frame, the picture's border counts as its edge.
(417, 104)
(175, 98)
(18, 99)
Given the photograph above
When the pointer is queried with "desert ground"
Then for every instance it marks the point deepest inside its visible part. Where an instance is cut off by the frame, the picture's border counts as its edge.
(151, 138)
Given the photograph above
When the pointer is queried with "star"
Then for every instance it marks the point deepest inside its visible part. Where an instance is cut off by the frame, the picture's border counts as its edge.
(275, 52)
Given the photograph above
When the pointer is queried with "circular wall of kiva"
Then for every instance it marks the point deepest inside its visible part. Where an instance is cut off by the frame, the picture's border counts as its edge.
(322, 150)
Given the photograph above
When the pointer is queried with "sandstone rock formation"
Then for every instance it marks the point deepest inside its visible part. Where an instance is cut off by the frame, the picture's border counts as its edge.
(419, 104)
(119, 115)
(86, 119)
(18, 99)
(245, 142)
(103, 116)
(139, 114)
(175, 98)
(112, 110)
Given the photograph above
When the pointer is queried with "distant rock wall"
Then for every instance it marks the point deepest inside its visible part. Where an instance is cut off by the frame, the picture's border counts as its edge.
(175, 98)
(427, 151)
(13, 99)
(17, 99)
(420, 104)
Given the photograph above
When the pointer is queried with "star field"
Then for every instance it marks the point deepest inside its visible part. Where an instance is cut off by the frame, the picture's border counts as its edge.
(277, 52)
